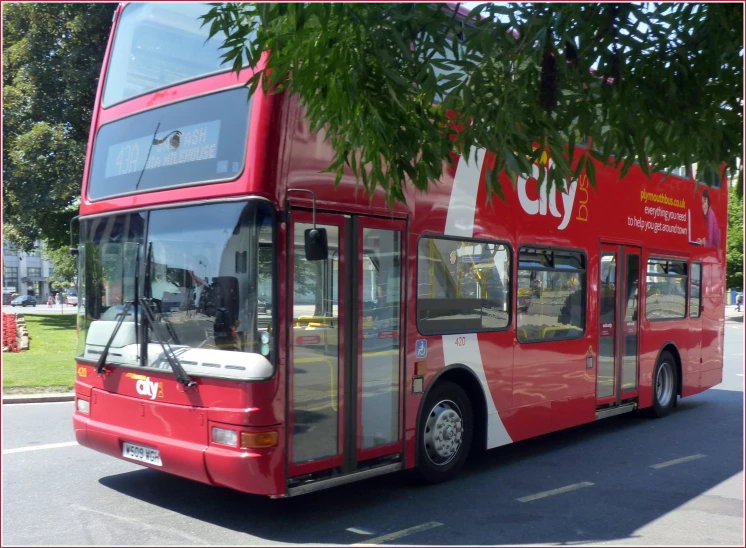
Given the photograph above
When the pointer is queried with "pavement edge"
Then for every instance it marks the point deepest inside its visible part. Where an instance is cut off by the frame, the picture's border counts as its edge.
(38, 398)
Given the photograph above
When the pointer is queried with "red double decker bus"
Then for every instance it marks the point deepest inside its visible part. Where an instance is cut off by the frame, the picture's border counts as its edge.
(244, 322)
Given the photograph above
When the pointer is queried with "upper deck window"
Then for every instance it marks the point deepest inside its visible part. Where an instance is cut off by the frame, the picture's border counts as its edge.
(197, 141)
(159, 45)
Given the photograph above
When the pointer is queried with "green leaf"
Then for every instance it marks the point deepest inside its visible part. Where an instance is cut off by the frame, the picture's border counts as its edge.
(590, 171)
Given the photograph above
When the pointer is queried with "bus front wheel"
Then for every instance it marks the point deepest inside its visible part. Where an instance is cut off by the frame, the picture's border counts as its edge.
(664, 385)
(445, 432)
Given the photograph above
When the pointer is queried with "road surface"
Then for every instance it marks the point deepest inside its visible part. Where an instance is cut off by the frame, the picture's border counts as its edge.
(624, 480)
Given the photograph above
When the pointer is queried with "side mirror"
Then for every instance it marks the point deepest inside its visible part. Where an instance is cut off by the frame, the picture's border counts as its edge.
(73, 250)
(317, 247)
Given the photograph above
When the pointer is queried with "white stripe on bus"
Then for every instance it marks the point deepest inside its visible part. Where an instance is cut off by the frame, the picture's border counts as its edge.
(463, 203)
(460, 222)
(464, 349)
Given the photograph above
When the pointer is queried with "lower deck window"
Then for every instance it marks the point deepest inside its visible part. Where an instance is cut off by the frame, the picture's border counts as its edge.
(462, 286)
(665, 294)
(551, 300)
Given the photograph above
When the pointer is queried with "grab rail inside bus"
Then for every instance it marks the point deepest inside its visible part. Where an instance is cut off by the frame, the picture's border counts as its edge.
(318, 321)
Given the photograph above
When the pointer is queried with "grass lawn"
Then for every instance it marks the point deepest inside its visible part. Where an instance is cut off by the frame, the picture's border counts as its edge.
(50, 360)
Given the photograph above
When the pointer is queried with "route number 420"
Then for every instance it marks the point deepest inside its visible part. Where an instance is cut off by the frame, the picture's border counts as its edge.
(460, 341)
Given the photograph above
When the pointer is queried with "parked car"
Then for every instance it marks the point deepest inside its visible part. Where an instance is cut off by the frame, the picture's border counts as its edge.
(24, 300)
(264, 305)
(71, 299)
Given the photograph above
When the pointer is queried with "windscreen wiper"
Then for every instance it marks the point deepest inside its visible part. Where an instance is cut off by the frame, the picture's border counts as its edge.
(149, 317)
(102, 358)
(173, 361)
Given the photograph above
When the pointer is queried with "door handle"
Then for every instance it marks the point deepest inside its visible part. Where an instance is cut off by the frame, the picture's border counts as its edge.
(589, 362)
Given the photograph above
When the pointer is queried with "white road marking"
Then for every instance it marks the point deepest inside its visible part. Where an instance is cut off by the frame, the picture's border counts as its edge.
(676, 461)
(359, 531)
(39, 447)
(141, 525)
(399, 534)
(558, 491)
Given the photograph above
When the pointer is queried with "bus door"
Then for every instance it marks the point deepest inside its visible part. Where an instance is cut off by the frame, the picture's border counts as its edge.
(618, 325)
(345, 347)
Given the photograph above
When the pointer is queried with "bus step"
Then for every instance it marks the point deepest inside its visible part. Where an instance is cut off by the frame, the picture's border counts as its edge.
(604, 413)
(341, 480)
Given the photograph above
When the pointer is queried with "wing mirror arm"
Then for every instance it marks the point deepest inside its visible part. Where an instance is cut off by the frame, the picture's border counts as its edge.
(316, 242)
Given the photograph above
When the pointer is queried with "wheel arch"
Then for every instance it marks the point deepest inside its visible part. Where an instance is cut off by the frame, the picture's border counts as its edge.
(463, 376)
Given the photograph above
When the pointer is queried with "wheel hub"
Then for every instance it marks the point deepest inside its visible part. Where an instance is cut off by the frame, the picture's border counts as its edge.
(444, 432)
(664, 384)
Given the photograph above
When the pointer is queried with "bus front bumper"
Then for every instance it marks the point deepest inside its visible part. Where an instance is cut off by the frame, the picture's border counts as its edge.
(255, 471)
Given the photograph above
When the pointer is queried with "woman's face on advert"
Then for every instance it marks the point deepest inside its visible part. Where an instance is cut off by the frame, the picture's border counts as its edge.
(705, 207)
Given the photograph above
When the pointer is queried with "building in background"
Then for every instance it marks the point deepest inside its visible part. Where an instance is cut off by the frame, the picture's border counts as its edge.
(25, 273)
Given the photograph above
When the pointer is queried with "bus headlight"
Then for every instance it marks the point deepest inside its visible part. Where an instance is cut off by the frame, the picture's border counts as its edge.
(224, 436)
(84, 406)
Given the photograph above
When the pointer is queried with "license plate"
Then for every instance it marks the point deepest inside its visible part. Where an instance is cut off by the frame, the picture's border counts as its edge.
(144, 454)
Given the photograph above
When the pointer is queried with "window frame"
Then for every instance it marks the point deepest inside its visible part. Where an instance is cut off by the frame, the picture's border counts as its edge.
(666, 275)
(584, 297)
(508, 293)
(689, 290)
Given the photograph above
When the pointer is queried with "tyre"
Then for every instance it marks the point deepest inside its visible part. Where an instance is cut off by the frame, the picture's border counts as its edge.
(664, 385)
(445, 432)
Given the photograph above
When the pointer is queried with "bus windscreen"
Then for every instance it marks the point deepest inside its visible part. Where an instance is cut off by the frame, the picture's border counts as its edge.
(158, 45)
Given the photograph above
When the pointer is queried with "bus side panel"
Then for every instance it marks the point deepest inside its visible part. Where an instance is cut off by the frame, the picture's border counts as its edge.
(552, 371)
(713, 324)
(551, 416)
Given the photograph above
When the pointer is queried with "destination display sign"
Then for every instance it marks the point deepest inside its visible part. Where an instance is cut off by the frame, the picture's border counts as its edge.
(177, 146)
(196, 141)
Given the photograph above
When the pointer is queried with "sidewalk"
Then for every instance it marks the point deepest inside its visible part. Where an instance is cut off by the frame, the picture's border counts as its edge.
(731, 315)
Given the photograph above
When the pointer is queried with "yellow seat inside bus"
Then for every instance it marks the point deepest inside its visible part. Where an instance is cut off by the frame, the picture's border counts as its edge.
(548, 332)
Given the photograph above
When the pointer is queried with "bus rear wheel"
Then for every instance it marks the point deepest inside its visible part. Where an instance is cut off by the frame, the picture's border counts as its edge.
(445, 432)
(664, 385)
